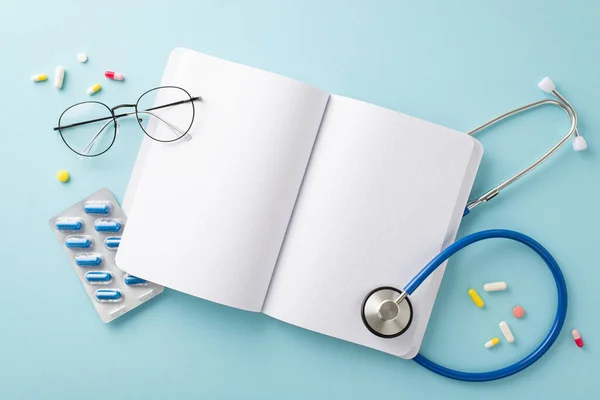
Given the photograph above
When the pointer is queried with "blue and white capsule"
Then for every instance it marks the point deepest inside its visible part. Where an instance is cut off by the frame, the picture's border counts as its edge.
(108, 295)
(98, 277)
(112, 242)
(131, 280)
(79, 242)
(69, 224)
(88, 260)
(97, 207)
(108, 225)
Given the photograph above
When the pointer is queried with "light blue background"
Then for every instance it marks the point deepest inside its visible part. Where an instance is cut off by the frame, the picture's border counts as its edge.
(456, 63)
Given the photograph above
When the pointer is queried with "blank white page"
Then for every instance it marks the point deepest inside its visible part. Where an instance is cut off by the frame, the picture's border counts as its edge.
(169, 78)
(209, 215)
(383, 194)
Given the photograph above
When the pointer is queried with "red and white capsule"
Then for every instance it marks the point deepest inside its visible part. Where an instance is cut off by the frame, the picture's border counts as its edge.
(114, 75)
(577, 338)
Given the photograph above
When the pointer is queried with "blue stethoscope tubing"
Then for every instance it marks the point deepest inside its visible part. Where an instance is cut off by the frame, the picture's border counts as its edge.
(561, 312)
(546, 343)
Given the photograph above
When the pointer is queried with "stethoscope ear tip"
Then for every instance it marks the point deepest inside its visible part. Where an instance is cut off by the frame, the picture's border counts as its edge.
(579, 143)
(547, 85)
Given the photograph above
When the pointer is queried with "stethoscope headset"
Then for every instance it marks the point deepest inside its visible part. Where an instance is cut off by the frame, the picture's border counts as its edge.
(387, 312)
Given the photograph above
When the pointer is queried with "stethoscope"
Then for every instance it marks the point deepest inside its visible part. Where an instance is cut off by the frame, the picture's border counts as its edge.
(387, 312)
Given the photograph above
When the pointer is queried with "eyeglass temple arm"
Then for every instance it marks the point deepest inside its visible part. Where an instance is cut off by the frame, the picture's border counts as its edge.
(88, 147)
(91, 121)
(166, 122)
(174, 104)
(91, 143)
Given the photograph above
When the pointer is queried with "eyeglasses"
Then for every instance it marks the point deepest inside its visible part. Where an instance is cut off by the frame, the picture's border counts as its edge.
(90, 128)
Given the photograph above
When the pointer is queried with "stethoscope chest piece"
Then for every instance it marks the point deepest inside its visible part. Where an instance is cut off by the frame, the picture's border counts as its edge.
(387, 312)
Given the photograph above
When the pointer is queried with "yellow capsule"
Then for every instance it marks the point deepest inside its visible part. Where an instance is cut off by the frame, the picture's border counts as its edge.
(39, 78)
(94, 89)
(492, 343)
(475, 297)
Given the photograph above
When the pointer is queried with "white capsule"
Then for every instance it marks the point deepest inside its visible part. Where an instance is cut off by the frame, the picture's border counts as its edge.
(495, 286)
(506, 332)
(59, 76)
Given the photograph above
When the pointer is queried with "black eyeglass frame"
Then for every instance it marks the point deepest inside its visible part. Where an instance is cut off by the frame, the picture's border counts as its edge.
(139, 119)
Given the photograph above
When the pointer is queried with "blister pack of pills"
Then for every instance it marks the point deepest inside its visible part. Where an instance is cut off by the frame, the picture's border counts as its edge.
(90, 232)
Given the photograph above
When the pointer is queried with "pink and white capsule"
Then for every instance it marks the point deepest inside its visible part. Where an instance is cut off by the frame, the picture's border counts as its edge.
(114, 75)
(577, 338)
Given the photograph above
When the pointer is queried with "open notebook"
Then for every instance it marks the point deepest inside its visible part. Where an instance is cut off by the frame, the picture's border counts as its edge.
(294, 202)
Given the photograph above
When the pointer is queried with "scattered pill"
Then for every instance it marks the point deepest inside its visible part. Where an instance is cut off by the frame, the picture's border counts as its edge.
(69, 224)
(495, 286)
(97, 207)
(506, 332)
(114, 75)
(82, 57)
(112, 243)
(131, 280)
(492, 343)
(518, 312)
(88, 260)
(94, 89)
(476, 298)
(95, 277)
(62, 176)
(108, 295)
(78, 242)
(577, 337)
(107, 225)
(39, 78)
(59, 77)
